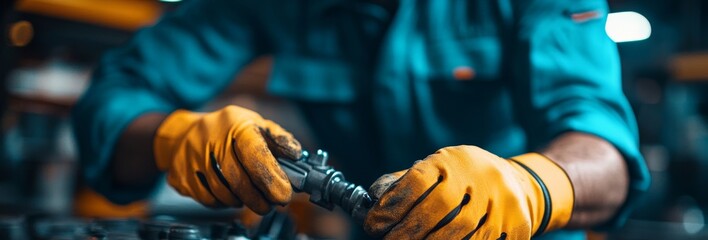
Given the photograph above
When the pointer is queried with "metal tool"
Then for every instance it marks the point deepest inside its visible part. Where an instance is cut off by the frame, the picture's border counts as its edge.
(326, 186)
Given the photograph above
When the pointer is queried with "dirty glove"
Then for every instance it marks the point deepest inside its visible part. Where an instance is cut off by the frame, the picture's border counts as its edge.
(226, 158)
(465, 192)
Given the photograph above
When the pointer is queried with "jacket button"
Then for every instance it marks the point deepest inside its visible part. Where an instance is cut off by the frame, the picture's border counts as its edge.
(463, 73)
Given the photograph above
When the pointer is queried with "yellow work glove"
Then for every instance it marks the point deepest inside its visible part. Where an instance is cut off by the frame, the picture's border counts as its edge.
(226, 158)
(465, 192)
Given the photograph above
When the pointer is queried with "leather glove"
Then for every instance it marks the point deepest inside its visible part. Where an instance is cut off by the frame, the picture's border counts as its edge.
(226, 158)
(465, 192)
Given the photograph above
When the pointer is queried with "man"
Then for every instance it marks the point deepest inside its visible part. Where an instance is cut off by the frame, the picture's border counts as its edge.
(382, 84)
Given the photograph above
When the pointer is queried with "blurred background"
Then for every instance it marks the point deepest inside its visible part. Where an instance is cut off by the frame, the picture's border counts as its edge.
(49, 48)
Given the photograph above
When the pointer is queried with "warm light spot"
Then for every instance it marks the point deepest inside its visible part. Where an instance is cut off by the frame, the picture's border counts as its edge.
(21, 33)
(463, 73)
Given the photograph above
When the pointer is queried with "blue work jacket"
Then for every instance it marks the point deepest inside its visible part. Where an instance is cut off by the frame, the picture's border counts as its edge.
(380, 88)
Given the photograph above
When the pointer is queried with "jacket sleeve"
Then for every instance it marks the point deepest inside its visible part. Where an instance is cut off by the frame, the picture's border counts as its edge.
(569, 79)
(181, 62)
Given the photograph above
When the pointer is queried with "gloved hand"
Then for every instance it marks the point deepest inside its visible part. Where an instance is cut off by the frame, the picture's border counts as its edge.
(226, 158)
(465, 192)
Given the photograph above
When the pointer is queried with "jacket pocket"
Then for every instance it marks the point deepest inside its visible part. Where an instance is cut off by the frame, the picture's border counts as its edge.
(472, 59)
(465, 74)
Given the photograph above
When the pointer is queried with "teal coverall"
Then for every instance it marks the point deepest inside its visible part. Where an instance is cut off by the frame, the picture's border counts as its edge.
(378, 85)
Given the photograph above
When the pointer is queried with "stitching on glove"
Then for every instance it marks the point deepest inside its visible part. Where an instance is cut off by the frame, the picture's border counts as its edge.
(546, 197)
(417, 201)
(427, 192)
(479, 224)
(205, 184)
(450, 216)
(217, 170)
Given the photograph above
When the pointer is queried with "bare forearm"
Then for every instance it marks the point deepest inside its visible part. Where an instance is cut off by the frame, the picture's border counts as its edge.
(598, 173)
(133, 164)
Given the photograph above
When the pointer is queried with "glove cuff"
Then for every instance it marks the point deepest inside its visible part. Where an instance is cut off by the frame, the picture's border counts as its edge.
(169, 133)
(558, 189)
